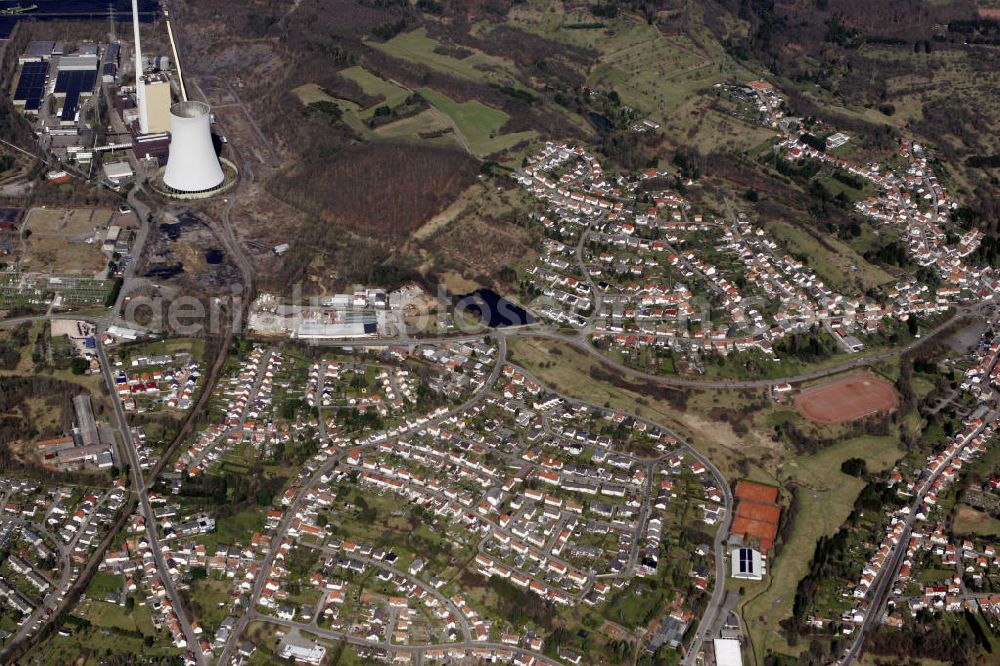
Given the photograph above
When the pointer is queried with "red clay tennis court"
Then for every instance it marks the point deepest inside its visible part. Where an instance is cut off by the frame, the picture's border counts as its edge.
(757, 492)
(757, 514)
(846, 399)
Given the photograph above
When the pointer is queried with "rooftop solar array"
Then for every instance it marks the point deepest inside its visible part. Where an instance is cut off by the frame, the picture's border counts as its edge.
(76, 79)
(72, 83)
(746, 561)
(31, 85)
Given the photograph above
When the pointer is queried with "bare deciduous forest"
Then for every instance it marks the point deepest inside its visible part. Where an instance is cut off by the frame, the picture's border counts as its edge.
(363, 190)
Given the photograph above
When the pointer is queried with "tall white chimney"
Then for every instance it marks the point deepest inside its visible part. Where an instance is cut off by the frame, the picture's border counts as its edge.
(140, 84)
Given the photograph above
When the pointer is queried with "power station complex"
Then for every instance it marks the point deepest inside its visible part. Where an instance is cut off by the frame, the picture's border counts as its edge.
(193, 168)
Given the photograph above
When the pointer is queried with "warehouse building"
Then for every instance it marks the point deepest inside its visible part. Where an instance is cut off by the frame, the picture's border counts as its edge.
(38, 51)
(727, 652)
(76, 77)
(31, 83)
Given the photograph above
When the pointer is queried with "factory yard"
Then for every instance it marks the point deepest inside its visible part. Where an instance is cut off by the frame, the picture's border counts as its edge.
(847, 399)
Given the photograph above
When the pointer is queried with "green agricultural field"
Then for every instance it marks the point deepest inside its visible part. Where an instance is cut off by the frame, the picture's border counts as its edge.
(836, 186)
(921, 386)
(417, 46)
(192, 346)
(213, 601)
(472, 125)
(90, 646)
(478, 123)
(666, 76)
(653, 72)
(107, 615)
(635, 604)
(111, 632)
(310, 94)
(826, 497)
(390, 93)
(350, 112)
(427, 122)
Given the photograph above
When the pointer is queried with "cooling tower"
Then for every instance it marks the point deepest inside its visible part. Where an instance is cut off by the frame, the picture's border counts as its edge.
(192, 165)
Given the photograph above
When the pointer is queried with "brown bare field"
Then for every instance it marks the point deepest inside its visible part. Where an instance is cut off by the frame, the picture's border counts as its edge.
(457, 284)
(59, 255)
(475, 237)
(235, 124)
(85, 220)
(311, 92)
(449, 214)
(67, 221)
(481, 246)
(972, 521)
(428, 123)
(846, 399)
(45, 221)
(263, 222)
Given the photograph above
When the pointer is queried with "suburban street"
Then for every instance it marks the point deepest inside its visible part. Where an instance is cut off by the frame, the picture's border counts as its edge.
(140, 488)
(889, 573)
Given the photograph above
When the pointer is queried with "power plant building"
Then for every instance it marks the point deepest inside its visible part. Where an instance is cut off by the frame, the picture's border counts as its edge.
(76, 77)
(158, 100)
(193, 168)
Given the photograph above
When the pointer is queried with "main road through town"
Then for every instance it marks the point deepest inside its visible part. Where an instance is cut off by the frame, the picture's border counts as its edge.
(140, 488)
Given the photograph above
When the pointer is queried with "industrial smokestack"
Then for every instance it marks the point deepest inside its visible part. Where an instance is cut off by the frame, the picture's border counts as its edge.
(192, 165)
(140, 84)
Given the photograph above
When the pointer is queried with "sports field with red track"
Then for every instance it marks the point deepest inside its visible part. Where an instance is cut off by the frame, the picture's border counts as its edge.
(846, 399)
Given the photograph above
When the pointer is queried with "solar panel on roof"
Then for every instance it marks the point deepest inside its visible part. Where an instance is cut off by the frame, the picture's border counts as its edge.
(70, 106)
(31, 84)
(72, 83)
(78, 80)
